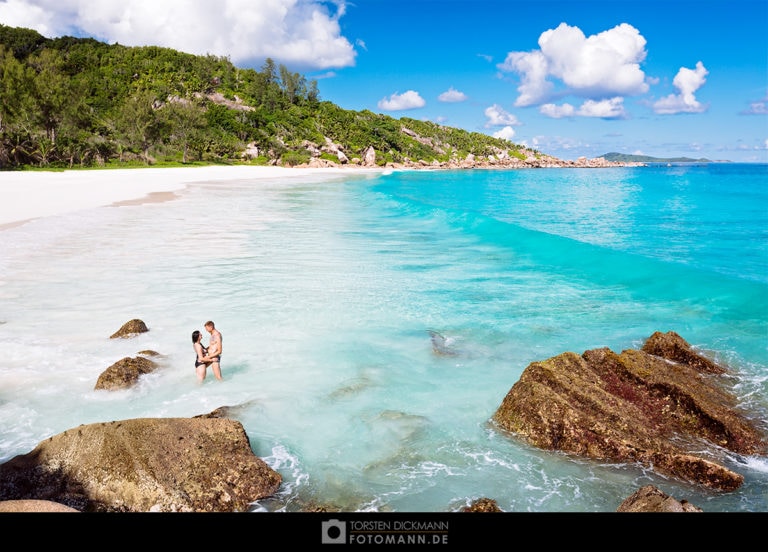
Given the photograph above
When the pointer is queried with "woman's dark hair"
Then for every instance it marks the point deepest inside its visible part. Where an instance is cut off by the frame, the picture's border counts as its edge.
(195, 336)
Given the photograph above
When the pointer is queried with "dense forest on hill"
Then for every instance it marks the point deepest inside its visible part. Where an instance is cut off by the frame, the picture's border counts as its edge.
(67, 102)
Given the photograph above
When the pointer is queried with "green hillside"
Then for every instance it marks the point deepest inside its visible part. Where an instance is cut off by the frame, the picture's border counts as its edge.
(69, 102)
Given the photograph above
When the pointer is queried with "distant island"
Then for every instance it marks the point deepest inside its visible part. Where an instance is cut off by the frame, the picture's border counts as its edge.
(627, 158)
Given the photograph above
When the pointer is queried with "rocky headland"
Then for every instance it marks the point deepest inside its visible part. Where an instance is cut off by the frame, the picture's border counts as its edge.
(498, 160)
(333, 155)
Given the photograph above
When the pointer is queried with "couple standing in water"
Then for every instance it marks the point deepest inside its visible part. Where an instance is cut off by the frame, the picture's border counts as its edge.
(207, 356)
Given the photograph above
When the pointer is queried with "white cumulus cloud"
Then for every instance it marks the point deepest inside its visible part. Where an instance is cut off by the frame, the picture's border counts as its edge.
(452, 96)
(612, 108)
(507, 133)
(406, 100)
(498, 117)
(600, 66)
(687, 81)
(757, 108)
(298, 33)
(35, 15)
(533, 70)
(557, 111)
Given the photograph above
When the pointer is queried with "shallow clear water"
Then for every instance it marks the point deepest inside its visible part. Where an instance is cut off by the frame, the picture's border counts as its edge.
(325, 290)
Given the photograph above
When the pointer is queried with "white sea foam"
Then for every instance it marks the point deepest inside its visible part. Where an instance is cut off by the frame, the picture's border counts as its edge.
(755, 463)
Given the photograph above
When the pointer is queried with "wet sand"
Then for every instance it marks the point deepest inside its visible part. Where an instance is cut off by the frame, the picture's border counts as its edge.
(27, 195)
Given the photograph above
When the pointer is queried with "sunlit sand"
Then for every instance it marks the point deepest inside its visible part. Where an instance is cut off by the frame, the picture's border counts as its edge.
(33, 194)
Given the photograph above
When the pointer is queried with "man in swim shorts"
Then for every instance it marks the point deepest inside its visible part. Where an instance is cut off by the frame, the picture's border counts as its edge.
(214, 348)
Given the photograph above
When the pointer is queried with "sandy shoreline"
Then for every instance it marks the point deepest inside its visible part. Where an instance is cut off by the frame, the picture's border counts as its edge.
(30, 195)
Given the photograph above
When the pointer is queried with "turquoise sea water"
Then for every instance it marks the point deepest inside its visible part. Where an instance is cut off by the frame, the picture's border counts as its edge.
(326, 290)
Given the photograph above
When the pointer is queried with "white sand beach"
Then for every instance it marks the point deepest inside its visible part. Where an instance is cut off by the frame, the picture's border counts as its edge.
(32, 194)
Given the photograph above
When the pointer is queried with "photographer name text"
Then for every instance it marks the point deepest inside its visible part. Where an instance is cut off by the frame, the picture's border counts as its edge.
(398, 532)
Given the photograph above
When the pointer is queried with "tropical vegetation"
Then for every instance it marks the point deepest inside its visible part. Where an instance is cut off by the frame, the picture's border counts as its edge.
(77, 102)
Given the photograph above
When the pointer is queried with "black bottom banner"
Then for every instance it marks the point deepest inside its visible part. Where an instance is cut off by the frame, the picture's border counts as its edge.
(369, 529)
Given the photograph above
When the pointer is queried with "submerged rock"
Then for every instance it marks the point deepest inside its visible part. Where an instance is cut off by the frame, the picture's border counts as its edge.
(664, 407)
(483, 505)
(441, 345)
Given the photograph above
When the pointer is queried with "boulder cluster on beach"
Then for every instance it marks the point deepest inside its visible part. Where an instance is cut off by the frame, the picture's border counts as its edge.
(499, 161)
(512, 158)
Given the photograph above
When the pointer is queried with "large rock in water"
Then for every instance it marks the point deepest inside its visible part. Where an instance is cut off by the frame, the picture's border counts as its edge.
(658, 406)
(124, 373)
(203, 464)
(130, 329)
(651, 499)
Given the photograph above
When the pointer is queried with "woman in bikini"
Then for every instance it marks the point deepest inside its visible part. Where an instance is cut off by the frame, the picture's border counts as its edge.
(202, 362)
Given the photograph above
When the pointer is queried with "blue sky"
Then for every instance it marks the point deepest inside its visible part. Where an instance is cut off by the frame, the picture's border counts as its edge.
(569, 78)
